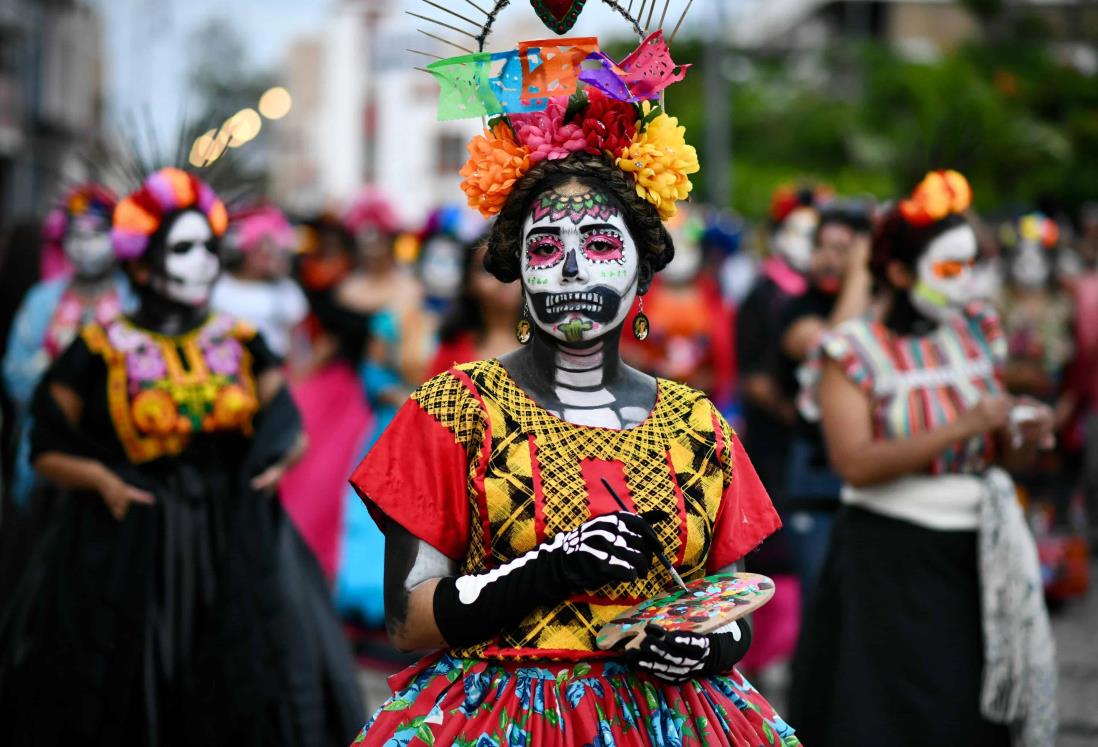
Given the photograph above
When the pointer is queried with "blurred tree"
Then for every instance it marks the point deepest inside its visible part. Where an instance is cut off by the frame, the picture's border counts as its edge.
(863, 118)
(220, 75)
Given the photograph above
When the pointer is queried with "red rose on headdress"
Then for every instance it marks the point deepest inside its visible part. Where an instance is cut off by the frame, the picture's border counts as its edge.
(608, 124)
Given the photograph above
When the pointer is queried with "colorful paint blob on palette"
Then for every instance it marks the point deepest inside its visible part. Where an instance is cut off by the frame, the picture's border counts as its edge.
(706, 605)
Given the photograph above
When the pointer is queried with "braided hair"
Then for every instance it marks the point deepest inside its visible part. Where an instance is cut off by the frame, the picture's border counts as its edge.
(641, 217)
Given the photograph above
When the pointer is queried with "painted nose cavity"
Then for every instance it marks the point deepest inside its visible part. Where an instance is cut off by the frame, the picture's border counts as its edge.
(571, 269)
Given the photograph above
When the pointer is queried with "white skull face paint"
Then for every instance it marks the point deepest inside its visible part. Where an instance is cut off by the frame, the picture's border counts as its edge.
(190, 265)
(944, 285)
(441, 268)
(579, 264)
(87, 244)
(1030, 268)
(794, 238)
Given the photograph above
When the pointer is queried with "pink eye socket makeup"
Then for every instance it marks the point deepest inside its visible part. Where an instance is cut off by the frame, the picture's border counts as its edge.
(604, 245)
(544, 251)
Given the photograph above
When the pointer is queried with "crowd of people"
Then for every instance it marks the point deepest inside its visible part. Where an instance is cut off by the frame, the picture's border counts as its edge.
(244, 451)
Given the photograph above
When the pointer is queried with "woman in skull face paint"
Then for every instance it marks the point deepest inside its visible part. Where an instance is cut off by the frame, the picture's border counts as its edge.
(53, 311)
(173, 602)
(929, 613)
(503, 546)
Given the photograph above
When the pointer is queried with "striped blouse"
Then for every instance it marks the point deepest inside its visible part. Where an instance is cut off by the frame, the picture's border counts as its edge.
(918, 383)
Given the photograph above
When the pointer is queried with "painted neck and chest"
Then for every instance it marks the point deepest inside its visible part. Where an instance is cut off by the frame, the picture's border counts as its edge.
(580, 273)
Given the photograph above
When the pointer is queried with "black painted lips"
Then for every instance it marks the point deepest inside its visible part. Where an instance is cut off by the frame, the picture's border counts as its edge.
(599, 304)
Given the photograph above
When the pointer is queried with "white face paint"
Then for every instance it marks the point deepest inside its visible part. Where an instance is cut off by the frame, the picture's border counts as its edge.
(1031, 267)
(579, 264)
(794, 237)
(945, 282)
(686, 263)
(190, 266)
(87, 244)
(441, 268)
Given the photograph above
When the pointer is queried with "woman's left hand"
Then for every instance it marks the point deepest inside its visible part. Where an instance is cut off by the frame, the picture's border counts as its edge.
(678, 656)
(267, 480)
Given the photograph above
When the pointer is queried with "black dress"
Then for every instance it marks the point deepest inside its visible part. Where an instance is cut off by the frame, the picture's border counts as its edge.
(201, 619)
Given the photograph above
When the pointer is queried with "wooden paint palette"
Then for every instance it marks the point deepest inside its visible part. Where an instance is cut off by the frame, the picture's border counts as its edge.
(705, 606)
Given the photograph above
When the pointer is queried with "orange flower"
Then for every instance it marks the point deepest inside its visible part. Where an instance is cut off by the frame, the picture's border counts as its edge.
(495, 163)
(939, 194)
(154, 412)
(233, 407)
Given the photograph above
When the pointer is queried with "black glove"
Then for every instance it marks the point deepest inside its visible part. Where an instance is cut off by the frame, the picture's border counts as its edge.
(680, 656)
(606, 549)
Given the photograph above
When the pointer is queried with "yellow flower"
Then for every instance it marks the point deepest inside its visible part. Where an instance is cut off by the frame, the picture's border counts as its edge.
(660, 160)
(154, 412)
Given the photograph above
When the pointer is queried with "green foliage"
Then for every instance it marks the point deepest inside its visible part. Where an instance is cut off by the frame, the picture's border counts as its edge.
(864, 119)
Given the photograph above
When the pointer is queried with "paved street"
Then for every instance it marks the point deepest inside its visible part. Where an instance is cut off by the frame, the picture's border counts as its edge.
(1076, 629)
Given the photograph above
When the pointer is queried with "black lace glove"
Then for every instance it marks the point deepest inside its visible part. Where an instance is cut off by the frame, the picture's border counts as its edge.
(678, 657)
(606, 549)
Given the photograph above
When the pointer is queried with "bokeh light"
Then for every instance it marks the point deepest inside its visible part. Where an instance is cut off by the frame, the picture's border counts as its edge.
(242, 127)
(208, 147)
(275, 103)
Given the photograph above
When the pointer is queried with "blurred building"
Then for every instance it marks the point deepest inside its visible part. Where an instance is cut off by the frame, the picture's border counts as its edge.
(921, 27)
(51, 96)
(364, 115)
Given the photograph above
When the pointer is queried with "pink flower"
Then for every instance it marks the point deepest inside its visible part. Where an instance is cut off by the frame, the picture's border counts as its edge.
(546, 135)
(146, 364)
(223, 356)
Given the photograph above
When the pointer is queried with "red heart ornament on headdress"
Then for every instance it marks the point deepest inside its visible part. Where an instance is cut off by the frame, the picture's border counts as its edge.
(558, 15)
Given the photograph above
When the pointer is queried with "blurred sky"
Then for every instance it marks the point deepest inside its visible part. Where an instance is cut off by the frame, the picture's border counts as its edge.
(148, 41)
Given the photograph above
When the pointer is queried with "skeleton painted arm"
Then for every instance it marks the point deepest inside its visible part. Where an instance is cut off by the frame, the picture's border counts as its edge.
(427, 606)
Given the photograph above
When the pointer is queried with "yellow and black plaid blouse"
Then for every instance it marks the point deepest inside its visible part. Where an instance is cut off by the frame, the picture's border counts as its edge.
(477, 469)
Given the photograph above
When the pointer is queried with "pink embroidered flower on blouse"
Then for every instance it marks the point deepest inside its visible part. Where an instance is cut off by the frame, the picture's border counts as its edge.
(222, 356)
(146, 363)
(546, 135)
(125, 338)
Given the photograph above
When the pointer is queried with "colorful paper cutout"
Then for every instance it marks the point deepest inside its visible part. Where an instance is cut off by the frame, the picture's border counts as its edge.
(649, 68)
(507, 84)
(558, 73)
(465, 87)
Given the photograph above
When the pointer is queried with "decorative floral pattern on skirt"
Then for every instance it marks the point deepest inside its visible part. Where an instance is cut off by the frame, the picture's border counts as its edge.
(601, 703)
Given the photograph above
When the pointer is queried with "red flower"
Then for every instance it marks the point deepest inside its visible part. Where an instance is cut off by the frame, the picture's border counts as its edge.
(608, 124)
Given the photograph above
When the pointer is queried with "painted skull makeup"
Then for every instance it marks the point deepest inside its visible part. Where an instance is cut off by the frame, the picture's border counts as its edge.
(944, 284)
(190, 264)
(1031, 267)
(579, 264)
(793, 240)
(87, 244)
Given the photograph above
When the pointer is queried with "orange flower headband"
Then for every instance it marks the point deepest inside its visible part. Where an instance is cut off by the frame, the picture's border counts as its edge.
(165, 191)
(940, 194)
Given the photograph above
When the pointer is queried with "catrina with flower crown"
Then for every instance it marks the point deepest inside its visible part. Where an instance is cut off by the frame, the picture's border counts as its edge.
(172, 602)
(525, 498)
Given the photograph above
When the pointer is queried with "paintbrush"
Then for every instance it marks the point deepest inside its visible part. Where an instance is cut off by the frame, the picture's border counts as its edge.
(659, 550)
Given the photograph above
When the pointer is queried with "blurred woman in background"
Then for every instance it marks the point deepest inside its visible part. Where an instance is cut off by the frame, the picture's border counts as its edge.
(482, 322)
(928, 626)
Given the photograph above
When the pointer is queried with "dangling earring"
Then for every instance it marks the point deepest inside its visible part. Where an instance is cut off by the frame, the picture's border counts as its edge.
(523, 331)
(640, 323)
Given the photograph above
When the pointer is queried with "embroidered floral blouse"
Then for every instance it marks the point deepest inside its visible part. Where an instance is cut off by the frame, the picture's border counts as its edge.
(153, 393)
(477, 469)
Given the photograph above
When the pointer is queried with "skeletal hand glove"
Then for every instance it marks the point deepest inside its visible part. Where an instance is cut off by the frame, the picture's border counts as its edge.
(616, 547)
(680, 656)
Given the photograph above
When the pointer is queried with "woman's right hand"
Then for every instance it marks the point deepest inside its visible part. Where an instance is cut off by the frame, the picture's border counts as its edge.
(607, 549)
(119, 495)
(991, 413)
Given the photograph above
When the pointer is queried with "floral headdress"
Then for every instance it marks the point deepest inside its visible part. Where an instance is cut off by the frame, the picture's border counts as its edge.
(166, 191)
(939, 195)
(88, 199)
(550, 98)
(263, 222)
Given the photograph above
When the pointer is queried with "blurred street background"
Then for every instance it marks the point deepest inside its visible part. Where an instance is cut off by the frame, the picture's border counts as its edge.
(792, 104)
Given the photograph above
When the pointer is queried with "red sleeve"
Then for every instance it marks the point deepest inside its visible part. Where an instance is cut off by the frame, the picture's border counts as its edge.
(746, 516)
(416, 475)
